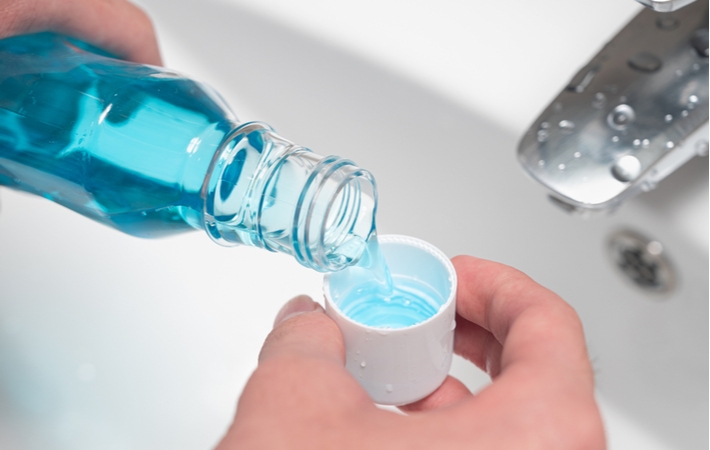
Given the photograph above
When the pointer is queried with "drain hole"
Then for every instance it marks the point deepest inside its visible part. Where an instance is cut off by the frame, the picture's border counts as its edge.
(641, 260)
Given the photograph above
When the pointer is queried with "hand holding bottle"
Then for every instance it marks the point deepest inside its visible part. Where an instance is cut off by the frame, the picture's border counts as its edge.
(528, 339)
(117, 26)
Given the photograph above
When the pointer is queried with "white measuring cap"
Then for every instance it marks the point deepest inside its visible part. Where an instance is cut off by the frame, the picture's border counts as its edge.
(397, 366)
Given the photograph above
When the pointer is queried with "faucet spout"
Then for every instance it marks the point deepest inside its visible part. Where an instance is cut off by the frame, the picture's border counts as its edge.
(634, 114)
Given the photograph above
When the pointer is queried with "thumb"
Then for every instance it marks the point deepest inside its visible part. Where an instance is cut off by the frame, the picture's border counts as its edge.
(302, 362)
(299, 385)
(302, 330)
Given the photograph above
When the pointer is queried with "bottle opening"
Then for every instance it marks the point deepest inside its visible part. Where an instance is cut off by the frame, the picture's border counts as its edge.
(340, 204)
(264, 191)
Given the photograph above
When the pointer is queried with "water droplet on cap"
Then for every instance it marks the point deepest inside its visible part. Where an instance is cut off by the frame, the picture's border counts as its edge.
(389, 388)
(363, 364)
(668, 118)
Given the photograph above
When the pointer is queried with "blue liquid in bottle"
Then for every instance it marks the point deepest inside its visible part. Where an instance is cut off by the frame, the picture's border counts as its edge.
(152, 153)
(377, 298)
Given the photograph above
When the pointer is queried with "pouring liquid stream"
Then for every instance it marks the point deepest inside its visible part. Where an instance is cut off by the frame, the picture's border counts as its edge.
(381, 299)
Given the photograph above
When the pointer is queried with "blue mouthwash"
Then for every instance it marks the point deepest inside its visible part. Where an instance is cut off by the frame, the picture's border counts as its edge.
(151, 153)
(377, 298)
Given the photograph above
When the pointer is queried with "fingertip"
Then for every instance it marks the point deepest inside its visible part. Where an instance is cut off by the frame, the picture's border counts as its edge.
(297, 305)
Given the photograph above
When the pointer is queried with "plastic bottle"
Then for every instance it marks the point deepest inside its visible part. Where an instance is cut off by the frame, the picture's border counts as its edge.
(150, 152)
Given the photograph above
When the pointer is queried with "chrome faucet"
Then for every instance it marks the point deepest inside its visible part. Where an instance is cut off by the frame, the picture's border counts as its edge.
(634, 114)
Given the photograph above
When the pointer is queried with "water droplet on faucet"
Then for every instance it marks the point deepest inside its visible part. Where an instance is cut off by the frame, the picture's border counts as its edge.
(542, 135)
(626, 168)
(566, 126)
(621, 117)
(599, 100)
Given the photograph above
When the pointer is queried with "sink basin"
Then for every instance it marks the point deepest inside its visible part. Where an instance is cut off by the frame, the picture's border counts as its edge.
(108, 341)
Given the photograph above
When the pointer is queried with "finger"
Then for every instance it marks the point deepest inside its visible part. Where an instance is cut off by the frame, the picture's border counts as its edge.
(533, 343)
(313, 335)
(536, 329)
(300, 382)
(117, 26)
(303, 359)
(477, 345)
(451, 391)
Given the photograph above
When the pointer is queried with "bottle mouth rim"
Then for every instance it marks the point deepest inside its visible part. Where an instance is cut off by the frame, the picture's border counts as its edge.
(335, 237)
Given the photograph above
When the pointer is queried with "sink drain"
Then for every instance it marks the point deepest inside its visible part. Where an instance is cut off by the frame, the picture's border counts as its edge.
(641, 260)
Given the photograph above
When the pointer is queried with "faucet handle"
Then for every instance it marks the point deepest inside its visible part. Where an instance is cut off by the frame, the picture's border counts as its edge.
(635, 113)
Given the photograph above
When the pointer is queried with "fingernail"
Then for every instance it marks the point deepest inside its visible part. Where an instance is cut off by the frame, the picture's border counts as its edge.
(297, 305)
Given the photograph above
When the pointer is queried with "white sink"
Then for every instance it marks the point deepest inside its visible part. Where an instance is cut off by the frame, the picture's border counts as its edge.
(112, 342)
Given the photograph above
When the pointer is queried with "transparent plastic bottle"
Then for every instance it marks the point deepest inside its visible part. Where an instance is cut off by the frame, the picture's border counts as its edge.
(150, 152)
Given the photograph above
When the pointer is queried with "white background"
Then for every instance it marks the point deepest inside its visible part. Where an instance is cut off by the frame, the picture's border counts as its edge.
(112, 342)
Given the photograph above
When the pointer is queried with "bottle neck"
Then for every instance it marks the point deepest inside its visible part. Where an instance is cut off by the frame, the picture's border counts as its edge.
(264, 191)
